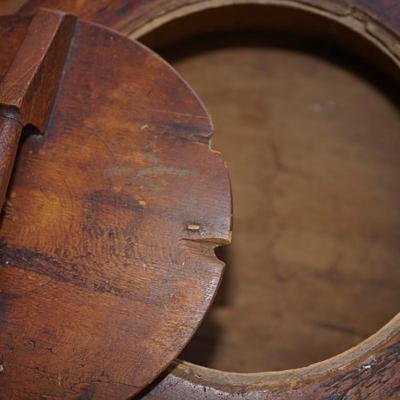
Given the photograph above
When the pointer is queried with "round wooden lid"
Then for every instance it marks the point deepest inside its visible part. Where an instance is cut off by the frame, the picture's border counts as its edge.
(108, 234)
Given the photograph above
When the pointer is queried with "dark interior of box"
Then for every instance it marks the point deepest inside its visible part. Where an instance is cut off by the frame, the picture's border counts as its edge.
(306, 114)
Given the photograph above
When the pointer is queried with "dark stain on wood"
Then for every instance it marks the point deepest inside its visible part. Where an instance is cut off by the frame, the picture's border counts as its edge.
(87, 393)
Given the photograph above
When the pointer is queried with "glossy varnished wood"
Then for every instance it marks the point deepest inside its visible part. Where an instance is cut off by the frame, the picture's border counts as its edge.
(107, 240)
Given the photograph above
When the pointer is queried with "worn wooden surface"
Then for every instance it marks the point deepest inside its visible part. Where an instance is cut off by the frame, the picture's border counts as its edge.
(10, 133)
(121, 13)
(24, 99)
(316, 220)
(319, 172)
(9, 7)
(370, 371)
(40, 58)
(321, 196)
(301, 164)
(107, 238)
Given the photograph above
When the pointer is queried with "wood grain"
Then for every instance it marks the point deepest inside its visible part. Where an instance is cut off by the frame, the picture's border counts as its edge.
(372, 376)
(301, 164)
(9, 7)
(103, 278)
(10, 132)
(369, 371)
(27, 90)
(143, 16)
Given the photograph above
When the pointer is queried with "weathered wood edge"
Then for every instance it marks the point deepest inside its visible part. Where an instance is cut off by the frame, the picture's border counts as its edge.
(377, 20)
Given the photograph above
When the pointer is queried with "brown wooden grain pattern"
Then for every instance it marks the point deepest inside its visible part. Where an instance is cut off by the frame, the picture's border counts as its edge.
(13, 30)
(370, 371)
(107, 242)
(295, 191)
(28, 88)
(8, 7)
(130, 15)
(348, 377)
(10, 132)
(387, 11)
(375, 384)
(30, 84)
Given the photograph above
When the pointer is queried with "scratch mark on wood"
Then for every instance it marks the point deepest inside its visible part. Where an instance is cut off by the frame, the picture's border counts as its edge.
(164, 170)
